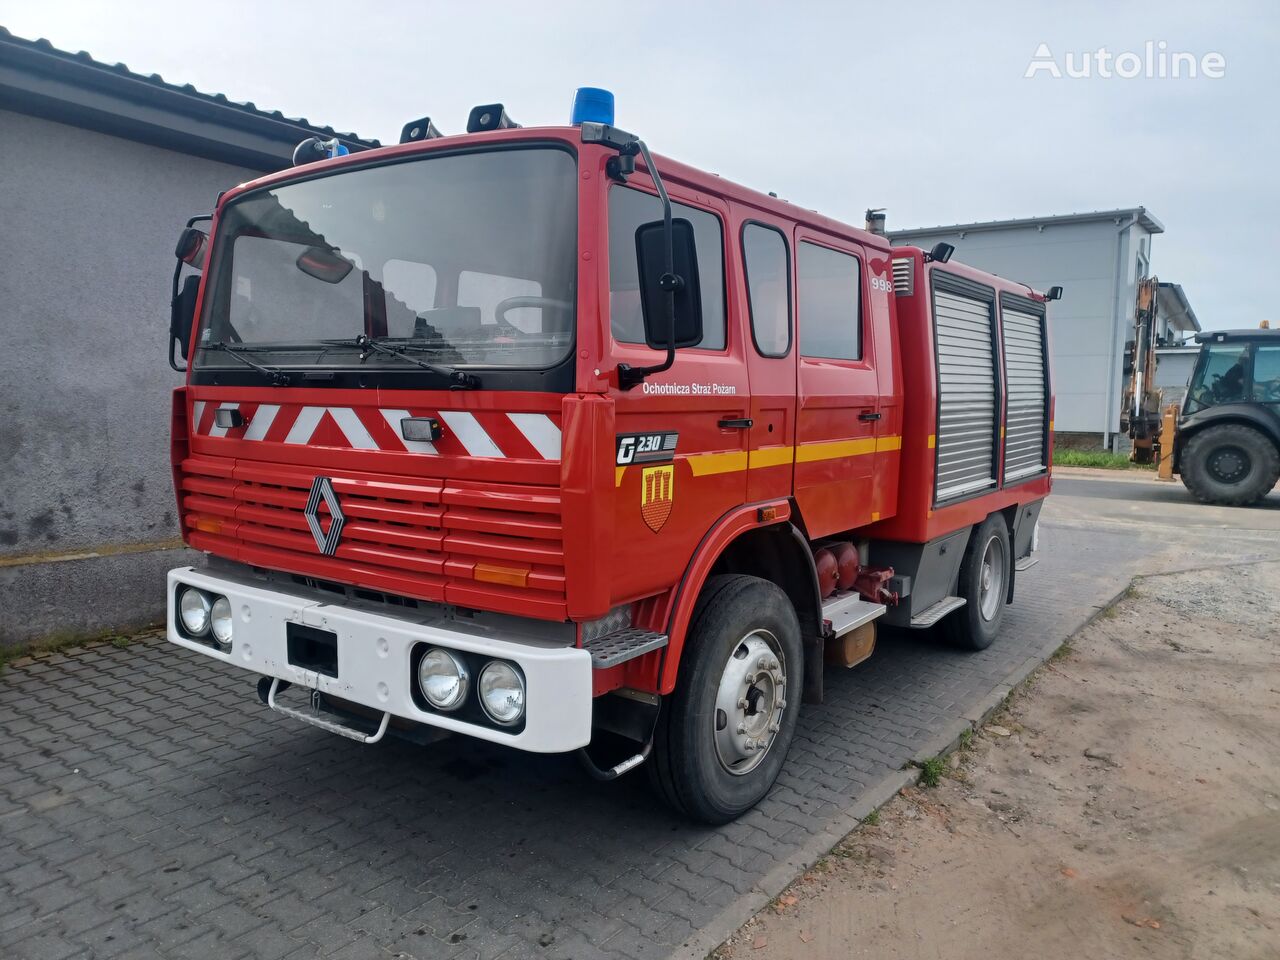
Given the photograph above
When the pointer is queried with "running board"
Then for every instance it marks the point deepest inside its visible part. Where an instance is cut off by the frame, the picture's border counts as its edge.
(623, 645)
(1026, 563)
(848, 612)
(931, 615)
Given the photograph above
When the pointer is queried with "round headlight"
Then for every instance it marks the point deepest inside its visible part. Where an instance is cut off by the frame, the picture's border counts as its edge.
(502, 692)
(443, 679)
(220, 620)
(193, 611)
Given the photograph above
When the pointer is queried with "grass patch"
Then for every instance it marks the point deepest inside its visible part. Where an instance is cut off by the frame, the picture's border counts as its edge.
(1061, 653)
(931, 771)
(966, 740)
(872, 819)
(1097, 459)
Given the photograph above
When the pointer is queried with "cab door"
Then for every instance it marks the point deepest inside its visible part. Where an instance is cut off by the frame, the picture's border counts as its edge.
(838, 397)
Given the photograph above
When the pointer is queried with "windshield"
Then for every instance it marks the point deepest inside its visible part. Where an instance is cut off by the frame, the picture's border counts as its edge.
(1221, 376)
(465, 260)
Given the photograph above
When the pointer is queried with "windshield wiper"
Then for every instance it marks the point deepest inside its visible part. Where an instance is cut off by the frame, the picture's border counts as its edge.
(278, 377)
(460, 379)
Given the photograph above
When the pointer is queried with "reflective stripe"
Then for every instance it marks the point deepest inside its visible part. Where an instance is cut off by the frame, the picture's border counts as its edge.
(305, 425)
(356, 433)
(470, 434)
(262, 421)
(539, 431)
(197, 411)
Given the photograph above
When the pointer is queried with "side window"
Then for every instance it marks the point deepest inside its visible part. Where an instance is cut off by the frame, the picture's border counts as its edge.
(830, 303)
(1266, 374)
(764, 255)
(1220, 378)
(628, 210)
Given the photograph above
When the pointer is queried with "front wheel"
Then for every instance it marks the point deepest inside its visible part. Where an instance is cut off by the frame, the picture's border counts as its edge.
(724, 732)
(984, 584)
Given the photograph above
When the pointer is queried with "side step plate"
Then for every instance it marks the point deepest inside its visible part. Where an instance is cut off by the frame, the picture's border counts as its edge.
(1025, 563)
(931, 615)
(848, 612)
(623, 645)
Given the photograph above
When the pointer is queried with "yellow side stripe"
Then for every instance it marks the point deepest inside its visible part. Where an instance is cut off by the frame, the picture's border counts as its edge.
(734, 461)
(933, 441)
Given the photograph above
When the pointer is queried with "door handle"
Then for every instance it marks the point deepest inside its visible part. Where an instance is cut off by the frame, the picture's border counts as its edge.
(868, 415)
(741, 423)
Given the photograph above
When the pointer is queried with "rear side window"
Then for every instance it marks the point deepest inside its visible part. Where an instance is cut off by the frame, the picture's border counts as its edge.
(628, 210)
(830, 303)
(1266, 374)
(764, 253)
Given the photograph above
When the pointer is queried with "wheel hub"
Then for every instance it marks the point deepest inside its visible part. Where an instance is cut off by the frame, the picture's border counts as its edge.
(1228, 464)
(750, 701)
(991, 579)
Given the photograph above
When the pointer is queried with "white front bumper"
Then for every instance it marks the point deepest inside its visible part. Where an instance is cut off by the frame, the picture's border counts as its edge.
(374, 660)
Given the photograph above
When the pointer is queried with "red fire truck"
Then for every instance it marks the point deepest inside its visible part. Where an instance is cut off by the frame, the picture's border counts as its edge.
(523, 435)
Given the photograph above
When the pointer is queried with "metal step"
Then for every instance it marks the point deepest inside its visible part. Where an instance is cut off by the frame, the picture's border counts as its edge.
(1025, 563)
(623, 645)
(931, 615)
(849, 611)
(329, 723)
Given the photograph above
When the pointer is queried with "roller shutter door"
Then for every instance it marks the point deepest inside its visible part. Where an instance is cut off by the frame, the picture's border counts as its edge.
(966, 438)
(1027, 397)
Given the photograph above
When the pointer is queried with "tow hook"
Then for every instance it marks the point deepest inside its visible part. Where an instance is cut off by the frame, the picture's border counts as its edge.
(264, 689)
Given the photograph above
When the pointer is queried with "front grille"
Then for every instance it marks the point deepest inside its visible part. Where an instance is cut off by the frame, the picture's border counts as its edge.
(424, 538)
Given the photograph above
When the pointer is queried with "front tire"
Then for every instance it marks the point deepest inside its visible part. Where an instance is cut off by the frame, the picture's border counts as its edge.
(1232, 465)
(984, 583)
(724, 732)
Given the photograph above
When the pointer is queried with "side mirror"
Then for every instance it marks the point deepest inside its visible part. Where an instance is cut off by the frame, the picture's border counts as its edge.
(1055, 293)
(662, 327)
(182, 316)
(192, 244)
(940, 253)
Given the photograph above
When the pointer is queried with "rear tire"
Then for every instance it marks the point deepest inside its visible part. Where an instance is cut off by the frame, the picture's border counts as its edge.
(984, 583)
(1232, 465)
(714, 758)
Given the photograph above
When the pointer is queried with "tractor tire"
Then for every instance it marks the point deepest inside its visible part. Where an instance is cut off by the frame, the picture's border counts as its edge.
(1232, 465)
(985, 570)
(724, 733)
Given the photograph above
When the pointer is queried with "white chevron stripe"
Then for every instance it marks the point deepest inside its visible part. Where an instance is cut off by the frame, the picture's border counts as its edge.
(470, 434)
(217, 431)
(393, 418)
(355, 431)
(539, 431)
(197, 411)
(262, 420)
(305, 425)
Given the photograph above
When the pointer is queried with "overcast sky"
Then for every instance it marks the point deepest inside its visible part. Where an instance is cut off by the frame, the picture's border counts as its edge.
(920, 108)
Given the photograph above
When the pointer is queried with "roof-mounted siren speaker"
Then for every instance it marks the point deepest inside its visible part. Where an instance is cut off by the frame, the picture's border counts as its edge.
(489, 116)
(420, 129)
(940, 253)
(314, 148)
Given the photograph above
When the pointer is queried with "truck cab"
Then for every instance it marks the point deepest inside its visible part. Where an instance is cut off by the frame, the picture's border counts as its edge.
(526, 435)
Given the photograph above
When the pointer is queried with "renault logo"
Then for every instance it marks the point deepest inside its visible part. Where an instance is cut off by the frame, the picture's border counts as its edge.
(322, 489)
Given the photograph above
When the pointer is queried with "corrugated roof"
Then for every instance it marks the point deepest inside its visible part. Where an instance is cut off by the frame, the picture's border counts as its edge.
(158, 83)
(1142, 215)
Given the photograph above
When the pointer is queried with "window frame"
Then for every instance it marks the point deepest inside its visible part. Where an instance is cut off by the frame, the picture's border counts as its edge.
(863, 305)
(791, 287)
(676, 199)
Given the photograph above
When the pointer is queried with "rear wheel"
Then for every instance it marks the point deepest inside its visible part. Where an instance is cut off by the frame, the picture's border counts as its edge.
(1231, 464)
(724, 732)
(984, 584)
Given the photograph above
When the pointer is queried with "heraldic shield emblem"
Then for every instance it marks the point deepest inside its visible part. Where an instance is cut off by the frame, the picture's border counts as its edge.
(657, 494)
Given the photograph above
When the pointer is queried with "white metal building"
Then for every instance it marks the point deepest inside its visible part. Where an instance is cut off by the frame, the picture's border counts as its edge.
(1098, 258)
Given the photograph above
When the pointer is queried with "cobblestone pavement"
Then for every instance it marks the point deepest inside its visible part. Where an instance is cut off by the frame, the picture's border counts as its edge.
(151, 807)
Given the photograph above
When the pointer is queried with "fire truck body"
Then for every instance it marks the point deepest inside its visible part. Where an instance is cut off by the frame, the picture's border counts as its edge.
(556, 549)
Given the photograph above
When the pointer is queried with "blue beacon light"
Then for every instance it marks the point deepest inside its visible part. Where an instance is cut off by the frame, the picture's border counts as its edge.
(592, 105)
